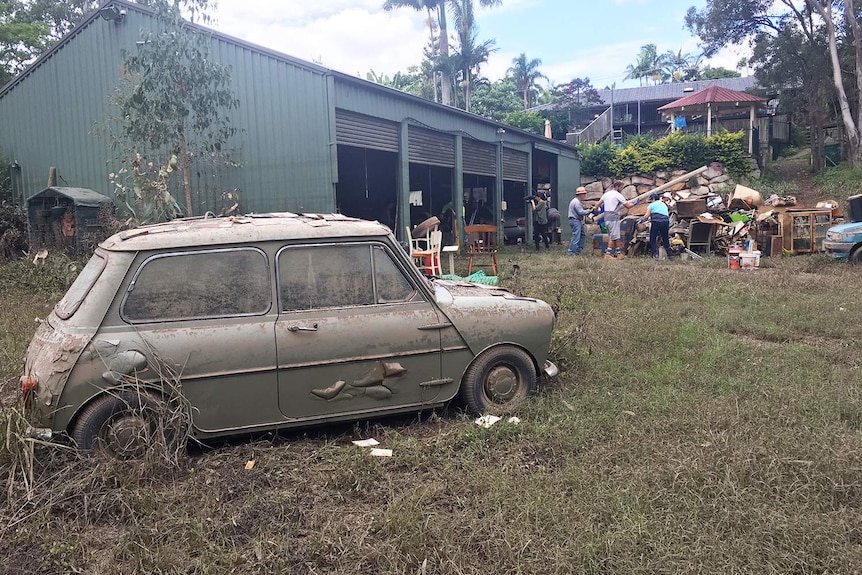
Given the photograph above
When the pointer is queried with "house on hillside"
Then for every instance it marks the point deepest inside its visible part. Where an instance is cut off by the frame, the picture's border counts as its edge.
(629, 111)
(308, 138)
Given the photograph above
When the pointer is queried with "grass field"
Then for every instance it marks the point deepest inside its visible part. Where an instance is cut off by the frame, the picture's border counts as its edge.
(705, 421)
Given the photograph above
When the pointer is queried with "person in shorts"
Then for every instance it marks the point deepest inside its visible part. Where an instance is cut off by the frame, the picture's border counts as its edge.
(612, 201)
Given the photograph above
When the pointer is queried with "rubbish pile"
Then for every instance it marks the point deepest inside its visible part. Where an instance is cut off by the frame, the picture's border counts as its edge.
(703, 221)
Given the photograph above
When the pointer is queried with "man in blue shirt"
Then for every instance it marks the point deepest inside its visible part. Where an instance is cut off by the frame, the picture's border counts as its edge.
(577, 212)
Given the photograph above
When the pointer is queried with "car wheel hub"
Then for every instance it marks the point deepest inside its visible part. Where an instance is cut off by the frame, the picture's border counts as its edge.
(128, 436)
(501, 384)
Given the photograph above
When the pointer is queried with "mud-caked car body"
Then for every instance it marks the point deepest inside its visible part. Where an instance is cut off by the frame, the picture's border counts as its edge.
(272, 321)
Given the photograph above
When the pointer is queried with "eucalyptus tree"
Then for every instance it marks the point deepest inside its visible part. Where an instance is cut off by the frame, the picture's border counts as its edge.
(786, 35)
(172, 106)
(840, 17)
(526, 75)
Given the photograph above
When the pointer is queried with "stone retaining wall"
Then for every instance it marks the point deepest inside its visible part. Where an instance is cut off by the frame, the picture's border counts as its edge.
(714, 180)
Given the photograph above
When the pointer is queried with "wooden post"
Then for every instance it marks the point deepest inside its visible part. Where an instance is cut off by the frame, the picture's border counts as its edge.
(52, 176)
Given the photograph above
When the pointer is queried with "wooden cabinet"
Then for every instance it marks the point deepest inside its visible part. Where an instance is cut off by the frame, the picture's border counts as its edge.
(803, 230)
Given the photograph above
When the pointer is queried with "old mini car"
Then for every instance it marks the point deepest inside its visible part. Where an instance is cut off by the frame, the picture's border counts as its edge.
(271, 321)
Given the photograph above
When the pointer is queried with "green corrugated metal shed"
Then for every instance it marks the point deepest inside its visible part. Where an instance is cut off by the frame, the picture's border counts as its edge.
(286, 137)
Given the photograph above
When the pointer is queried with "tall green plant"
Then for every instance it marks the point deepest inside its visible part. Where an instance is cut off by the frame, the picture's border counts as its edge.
(676, 151)
(173, 101)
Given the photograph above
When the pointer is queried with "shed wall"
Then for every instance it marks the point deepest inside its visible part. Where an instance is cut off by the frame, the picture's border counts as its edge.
(283, 122)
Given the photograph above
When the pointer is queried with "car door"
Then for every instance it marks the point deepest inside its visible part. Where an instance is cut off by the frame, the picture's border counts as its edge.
(206, 318)
(355, 332)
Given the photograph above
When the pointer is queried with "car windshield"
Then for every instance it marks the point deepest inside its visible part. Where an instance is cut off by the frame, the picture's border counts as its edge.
(81, 287)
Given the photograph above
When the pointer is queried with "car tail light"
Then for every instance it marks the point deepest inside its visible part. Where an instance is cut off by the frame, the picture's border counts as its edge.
(28, 386)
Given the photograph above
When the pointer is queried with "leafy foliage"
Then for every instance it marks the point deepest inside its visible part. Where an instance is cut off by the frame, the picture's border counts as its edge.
(13, 231)
(676, 151)
(497, 99)
(525, 72)
(173, 102)
(29, 27)
(595, 158)
(143, 189)
(526, 120)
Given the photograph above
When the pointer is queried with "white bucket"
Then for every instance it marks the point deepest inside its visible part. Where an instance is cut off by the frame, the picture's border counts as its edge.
(749, 260)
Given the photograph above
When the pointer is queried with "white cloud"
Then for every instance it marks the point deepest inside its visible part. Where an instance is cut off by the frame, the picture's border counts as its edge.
(353, 36)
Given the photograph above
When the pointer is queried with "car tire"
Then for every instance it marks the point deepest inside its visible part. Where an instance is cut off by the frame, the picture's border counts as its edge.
(498, 381)
(126, 424)
(856, 256)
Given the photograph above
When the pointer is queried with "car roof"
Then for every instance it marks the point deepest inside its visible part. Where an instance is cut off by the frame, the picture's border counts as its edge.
(209, 231)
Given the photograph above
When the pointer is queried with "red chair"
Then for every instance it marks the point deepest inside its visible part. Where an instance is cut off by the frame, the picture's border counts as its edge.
(481, 242)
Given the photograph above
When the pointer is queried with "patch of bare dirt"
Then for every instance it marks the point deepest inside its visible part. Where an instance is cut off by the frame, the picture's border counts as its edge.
(797, 170)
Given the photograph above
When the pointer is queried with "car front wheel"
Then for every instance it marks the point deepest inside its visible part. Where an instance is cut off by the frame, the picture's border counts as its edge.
(125, 424)
(856, 256)
(498, 381)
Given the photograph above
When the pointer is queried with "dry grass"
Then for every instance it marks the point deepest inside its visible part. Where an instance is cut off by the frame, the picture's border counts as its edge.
(707, 421)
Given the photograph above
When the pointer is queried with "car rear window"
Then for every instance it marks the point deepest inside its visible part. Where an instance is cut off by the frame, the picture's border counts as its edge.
(326, 276)
(199, 285)
(82, 285)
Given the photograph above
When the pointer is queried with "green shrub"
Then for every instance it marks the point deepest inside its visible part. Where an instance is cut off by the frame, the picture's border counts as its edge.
(643, 154)
(595, 158)
(729, 149)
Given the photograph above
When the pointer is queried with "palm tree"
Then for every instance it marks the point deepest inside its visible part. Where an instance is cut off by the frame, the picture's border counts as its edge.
(469, 58)
(526, 73)
(678, 66)
(647, 65)
(438, 7)
(471, 55)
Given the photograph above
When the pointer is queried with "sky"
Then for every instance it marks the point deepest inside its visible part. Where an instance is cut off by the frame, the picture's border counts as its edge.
(595, 39)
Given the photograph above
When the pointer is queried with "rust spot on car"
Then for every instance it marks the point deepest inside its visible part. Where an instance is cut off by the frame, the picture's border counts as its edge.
(376, 382)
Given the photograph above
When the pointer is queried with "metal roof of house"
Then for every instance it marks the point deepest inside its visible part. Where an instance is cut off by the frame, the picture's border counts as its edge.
(662, 92)
(712, 94)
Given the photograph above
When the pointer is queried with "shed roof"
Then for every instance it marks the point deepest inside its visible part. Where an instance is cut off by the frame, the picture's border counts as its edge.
(79, 196)
(713, 94)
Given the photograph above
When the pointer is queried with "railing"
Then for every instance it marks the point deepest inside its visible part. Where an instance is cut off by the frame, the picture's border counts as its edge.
(595, 132)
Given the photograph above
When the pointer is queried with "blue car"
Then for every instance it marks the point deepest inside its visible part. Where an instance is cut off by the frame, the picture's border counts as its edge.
(844, 242)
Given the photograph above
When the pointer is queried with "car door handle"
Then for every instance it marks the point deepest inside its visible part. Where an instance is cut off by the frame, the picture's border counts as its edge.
(302, 328)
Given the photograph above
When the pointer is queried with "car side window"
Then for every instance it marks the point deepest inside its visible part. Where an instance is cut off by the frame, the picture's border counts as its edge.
(223, 283)
(325, 276)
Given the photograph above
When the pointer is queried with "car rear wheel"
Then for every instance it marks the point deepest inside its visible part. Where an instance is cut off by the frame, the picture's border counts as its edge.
(498, 381)
(126, 424)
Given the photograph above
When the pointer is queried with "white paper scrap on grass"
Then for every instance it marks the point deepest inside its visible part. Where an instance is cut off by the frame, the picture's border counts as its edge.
(487, 421)
(371, 442)
(378, 452)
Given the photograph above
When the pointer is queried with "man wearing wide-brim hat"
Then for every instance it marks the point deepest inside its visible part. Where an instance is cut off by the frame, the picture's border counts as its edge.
(577, 212)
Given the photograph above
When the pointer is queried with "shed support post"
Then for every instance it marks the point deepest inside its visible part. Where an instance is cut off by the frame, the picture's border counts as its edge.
(458, 191)
(751, 131)
(402, 217)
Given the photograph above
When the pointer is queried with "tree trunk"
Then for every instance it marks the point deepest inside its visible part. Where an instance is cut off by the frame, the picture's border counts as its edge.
(854, 156)
(184, 164)
(445, 76)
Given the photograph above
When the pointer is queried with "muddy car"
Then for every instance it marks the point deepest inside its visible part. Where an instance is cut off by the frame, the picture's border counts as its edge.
(271, 321)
